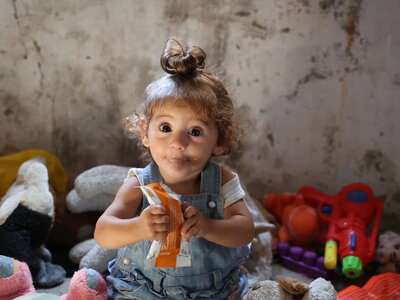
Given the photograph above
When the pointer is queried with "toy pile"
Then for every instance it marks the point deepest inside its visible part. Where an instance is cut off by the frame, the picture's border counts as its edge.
(16, 283)
(305, 223)
(98, 183)
(336, 237)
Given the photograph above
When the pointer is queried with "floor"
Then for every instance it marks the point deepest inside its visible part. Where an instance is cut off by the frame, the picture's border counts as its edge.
(58, 290)
(277, 269)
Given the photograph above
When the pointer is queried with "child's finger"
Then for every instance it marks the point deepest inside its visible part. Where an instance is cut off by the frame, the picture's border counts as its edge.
(160, 228)
(190, 212)
(157, 210)
(161, 219)
(193, 231)
(187, 225)
(185, 205)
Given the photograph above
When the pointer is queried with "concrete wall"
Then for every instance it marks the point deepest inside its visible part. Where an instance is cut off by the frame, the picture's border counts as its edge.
(317, 83)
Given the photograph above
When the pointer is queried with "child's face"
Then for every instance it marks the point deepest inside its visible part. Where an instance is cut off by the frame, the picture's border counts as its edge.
(181, 141)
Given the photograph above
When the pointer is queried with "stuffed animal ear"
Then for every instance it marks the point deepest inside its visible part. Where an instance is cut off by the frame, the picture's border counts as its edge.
(15, 279)
(86, 284)
(292, 285)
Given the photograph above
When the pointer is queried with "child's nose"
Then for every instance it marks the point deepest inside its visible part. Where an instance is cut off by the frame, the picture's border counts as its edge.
(179, 140)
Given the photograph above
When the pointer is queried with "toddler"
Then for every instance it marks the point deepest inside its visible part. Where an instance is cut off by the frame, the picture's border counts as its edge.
(186, 119)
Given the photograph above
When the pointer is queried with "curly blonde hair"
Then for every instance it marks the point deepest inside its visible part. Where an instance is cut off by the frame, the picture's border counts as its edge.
(187, 82)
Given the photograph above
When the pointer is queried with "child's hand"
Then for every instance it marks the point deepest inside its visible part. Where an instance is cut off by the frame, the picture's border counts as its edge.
(195, 223)
(155, 223)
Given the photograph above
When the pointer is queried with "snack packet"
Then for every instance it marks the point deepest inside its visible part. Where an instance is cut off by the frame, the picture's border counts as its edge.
(172, 251)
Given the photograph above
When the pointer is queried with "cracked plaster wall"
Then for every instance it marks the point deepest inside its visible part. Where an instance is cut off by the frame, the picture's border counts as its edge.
(317, 83)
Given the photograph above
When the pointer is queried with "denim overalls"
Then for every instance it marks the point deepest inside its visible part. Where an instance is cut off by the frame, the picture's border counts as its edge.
(214, 271)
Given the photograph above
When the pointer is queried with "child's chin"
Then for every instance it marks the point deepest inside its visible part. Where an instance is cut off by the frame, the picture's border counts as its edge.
(178, 166)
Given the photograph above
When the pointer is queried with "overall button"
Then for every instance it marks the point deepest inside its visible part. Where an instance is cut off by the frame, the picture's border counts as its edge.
(212, 204)
(126, 261)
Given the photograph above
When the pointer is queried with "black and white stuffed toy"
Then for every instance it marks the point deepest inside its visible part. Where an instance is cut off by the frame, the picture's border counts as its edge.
(26, 215)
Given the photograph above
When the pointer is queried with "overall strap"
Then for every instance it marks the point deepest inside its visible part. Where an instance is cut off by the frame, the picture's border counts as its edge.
(151, 174)
(211, 179)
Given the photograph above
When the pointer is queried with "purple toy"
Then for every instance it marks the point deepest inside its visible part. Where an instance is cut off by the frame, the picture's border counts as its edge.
(307, 262)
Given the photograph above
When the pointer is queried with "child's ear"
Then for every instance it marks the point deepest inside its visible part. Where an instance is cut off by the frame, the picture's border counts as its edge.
(218, 150)
(222, 141)
(143, 133)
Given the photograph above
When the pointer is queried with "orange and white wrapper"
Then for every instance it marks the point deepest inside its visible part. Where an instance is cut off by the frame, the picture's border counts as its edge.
(172, 251)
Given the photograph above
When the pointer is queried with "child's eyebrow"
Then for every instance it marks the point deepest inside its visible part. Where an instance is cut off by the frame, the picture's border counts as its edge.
(204, 122)
(198, 119)
(163, 116)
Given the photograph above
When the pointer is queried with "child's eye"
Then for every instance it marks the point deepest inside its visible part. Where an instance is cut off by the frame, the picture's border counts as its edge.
(165, 128)
(194, 132)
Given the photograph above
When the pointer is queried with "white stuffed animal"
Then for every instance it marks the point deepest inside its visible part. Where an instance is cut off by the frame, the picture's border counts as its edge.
(94, 189)
(31, 188)
(387, 252)
(26, 214)
(289, 289)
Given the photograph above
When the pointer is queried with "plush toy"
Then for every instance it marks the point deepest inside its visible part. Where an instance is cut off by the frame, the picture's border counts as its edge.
(387, 253)
(89, 254)
(9, 165)
(102, 182)
(288, 288)
(16, 283)
(299, 223)
(94, 189)
(26, 213)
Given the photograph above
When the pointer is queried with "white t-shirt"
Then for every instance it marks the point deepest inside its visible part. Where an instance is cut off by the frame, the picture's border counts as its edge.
(231, 191)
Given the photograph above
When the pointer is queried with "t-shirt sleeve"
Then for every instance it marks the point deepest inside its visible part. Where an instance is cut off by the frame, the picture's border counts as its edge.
(137, 172)
(232, 191)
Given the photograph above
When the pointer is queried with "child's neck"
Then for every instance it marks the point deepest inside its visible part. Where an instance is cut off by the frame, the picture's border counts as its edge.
(185, 187)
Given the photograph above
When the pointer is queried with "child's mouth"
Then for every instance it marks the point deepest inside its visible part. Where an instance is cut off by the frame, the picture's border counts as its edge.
(174, 159)
(178, 160)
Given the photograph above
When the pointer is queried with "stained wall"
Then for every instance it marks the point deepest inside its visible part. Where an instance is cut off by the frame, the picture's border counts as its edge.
(317, 83)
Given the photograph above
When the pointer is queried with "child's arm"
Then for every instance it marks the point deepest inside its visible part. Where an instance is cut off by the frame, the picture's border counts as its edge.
(119, 225)
(235, 230)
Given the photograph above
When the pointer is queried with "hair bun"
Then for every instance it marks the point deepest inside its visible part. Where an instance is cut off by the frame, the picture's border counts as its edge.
(179, 58)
